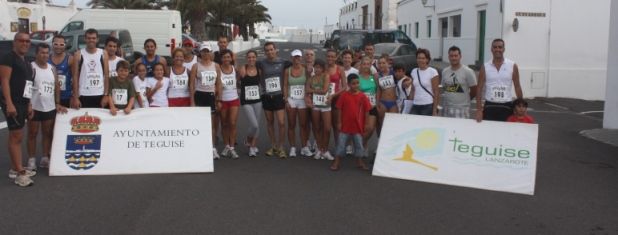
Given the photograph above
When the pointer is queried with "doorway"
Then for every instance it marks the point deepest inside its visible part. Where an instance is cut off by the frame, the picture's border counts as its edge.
(443, 35)
(481, 37)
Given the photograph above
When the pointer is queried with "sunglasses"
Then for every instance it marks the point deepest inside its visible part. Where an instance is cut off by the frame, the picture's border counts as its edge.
(23, 40)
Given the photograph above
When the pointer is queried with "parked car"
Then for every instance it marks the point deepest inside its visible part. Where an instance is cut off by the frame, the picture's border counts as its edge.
(400, 53)
(76, 40)
(43, 35)
(356, 39)
(6, 46)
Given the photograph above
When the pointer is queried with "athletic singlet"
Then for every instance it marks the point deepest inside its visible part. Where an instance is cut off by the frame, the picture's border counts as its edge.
(189, 65)
(112, 66)
(335, 82)
(206, 76)
(150, 65)
(230, 91)
(43, 99)
(318, 100)
(368, 86)
(386, 81)
(179, 84)
(250, 89)
(91, 73)
(296, 85)
(499, 84)
(64, 77)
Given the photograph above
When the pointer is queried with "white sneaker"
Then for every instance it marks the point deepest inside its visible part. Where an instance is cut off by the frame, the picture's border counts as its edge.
(215, 155)
(226, 151)
(252, 152)
(293, 152)
(13, 174)
(31, 164)
(23, 180)
(305, 151)
(349, 150)
(328, 156)
(233, 154)
(44, 163)
(318, 155)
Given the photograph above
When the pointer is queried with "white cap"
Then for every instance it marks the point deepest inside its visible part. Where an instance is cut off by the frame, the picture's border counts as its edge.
(205, 45)
(297, 53)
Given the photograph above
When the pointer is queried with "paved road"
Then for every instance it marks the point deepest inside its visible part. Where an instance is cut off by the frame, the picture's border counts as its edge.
(576, 193)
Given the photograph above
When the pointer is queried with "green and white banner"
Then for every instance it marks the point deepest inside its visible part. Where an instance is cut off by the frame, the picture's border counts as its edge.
(489, 155)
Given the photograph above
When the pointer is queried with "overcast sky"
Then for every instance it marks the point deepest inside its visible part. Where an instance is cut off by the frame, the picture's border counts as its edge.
(301, 13)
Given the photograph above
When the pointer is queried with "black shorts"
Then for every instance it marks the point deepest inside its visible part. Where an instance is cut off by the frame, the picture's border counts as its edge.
(19, 121)
(497, 111)
(374, 111)
(205, 99)
(43, 116)
(91, 101)
(66, 103)
(273, 102)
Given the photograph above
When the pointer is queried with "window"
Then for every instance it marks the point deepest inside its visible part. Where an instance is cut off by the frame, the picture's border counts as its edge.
(73, 26)
(400, 28)
(428, 28)
(405, 28)
(416, 30)
(456, 26)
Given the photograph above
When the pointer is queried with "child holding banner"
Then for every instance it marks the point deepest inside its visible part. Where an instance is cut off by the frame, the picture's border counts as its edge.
(354, 106)
(520, 112)
(121, 90)
(139, 83)
(156, 87)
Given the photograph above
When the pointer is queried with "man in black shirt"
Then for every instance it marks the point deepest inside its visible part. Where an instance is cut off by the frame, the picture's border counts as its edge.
(17, 80)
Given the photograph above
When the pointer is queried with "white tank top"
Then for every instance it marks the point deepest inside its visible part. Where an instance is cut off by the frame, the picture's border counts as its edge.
(91, 74)
(189, 65)
(112, 66)
(230, 91)
(206, 77)
(140, 86)
(43, 99)
(179, 84)
(499, 84)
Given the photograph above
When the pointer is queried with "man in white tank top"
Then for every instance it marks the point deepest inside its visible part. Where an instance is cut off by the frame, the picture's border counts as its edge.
(497, 79)
(111, 47)
(190, 58)
(90, 74)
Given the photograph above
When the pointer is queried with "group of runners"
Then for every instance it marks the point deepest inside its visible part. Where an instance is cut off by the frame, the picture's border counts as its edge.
(348, 97)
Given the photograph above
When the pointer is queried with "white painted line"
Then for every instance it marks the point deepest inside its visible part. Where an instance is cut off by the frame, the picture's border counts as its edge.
(589, 112)
(3, 125)
(557, 106)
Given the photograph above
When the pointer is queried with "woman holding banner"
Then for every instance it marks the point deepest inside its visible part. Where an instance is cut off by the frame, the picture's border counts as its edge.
(178, 93)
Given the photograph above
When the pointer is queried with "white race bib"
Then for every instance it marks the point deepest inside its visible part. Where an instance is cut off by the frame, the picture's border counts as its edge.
(229, 82)
(94, 81)
(46, 89)
(181, 82)
(208, 78)
(273, 85)
(372, 98)
(331, 88)
(62, 79)
(387, 82)
(28, 90)
(499, 94)
(120, 96)
(319, 100)
(297, 92)
(252, 93)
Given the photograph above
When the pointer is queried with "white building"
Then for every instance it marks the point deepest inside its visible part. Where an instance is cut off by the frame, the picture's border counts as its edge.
(560, 46)
(30, 17)
(369, 15)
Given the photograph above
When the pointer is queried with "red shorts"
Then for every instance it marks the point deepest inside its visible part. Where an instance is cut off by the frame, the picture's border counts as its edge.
(179, 102)
(229, 104)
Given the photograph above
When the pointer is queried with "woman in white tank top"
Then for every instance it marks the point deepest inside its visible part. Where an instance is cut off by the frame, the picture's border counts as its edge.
(230, 103)
(178, 93)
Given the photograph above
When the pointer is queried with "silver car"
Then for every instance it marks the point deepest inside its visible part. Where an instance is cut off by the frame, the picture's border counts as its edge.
(404, 54)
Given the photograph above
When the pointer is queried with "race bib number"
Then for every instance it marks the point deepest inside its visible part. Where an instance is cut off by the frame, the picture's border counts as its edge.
(208, 78)
(372, 98)
(181, 82)
(297, 92)
(229, 82)
(499, 93)
(95, 81)
(120, 96)
(62, 79)
(331, 88)
(47, 89)
(319, 100)
(252, 93)
(28, 90)
(387, 82)
(273, 85)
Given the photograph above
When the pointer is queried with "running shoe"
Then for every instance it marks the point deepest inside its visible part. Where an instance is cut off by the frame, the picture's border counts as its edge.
(23, 180)
(270, 152)
(226, 151)
(31, 164)
(233, 153)
(281, 153)
(44, 163)
(349, 150)
(293, 152)
(215, 155)
(252, 152)
(317, 155)
(327, 156)
(305, 151)
(13, 174)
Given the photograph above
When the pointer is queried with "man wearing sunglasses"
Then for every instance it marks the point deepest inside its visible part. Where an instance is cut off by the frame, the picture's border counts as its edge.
(458, 86)
(17, 80)
(63, 63)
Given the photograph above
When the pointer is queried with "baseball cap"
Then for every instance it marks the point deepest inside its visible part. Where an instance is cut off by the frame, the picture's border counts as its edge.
(187, 42)
(297, 53)
(205, 45)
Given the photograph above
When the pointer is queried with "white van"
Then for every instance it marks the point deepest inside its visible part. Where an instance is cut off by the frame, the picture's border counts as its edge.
(164, 26)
